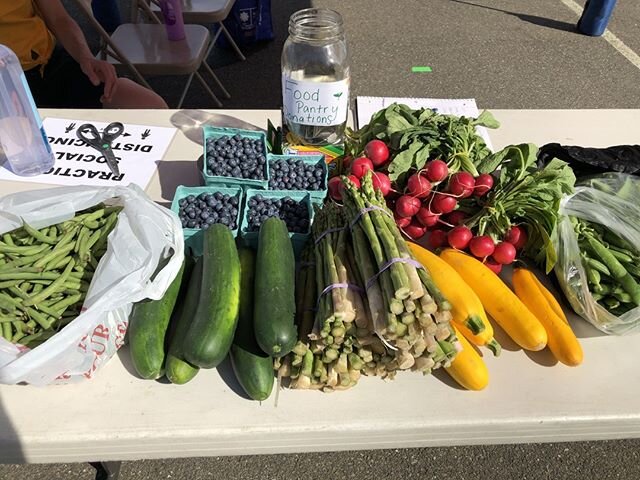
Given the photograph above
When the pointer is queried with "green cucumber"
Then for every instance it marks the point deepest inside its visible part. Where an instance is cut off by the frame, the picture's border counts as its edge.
(177, 369)
(147, 331)
(274, 305)
(253, 367)
(210, 335)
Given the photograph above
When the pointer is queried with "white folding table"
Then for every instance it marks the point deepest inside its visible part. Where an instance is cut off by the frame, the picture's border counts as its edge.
(116, 416)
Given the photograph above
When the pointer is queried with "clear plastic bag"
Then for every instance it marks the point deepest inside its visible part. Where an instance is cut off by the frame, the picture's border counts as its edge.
(612, 200)
(145, 234)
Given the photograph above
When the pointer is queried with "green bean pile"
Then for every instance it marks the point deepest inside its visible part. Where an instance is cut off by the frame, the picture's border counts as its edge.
(45, 274)
(612, 266)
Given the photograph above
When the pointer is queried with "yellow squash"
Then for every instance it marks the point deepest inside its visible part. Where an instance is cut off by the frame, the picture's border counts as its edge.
(467, 367)
(562, 341)
(499, 301)
(466, 308)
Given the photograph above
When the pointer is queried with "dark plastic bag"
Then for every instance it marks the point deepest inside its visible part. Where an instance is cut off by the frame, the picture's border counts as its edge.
(248, 22)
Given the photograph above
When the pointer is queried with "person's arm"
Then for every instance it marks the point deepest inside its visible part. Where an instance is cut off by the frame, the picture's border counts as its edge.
(70, 36)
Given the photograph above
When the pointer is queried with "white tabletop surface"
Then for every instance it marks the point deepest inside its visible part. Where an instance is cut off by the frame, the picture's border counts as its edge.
(116, 416)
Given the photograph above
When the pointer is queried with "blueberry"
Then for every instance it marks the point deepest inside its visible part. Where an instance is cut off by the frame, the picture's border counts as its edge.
(204, 215)
(191, 214)
(234, 201)
(191, 224)
(190, 198)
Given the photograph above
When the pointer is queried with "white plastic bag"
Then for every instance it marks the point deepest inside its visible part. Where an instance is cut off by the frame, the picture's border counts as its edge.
(144, 234)
(612, 200)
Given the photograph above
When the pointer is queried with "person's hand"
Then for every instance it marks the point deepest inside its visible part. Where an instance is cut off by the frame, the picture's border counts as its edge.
(100, 71)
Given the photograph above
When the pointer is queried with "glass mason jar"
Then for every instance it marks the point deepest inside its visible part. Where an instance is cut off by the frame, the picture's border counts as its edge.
(315, 77)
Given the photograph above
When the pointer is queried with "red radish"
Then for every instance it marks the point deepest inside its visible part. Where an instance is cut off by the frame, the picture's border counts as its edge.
(360, 166)
(381, 182)
(335, 188)
(414, 230)
(493, 266)
(482, 246)
(461, 184)
(484, 183)
(401, 222)
(407, 206)
(517, 236)
(377, 152)
(443, 203)
(346, 163)
(459, 237)
(457, 217)
(419, 185)
(437, 170)
(427, 217)
(437, 238)
(505, 253)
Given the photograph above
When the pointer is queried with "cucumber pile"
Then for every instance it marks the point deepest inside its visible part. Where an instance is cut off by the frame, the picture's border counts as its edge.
(230, 303)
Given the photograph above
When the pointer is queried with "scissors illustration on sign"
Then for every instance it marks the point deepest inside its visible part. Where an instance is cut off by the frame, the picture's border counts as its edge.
(102, 142)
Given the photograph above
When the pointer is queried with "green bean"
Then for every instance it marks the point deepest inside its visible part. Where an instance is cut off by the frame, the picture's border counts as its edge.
(18, 335)
(20, 262)
(37, 288)
(41, 237)
(57, 264)
(593, 276)
(612, 263)
(26, 250)
(8, 239)
(30, 324)
(84, 231)
(41, 319)
(6, 331)
(597, 296)
(106, 230)
(62, 305)
(18, 293)
(9, 318)
(25, 286)
(51, 289)
(597, 265)
(28, 276)
(54, 255)
(40, 336)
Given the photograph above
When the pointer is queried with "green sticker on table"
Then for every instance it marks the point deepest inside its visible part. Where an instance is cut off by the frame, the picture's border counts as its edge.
(421, 69)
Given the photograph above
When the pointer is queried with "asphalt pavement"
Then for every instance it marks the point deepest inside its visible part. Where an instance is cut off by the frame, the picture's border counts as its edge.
(504, 53)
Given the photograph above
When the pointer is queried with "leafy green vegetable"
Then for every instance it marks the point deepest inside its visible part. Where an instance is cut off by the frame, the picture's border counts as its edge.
(415, 136)
(524, 194)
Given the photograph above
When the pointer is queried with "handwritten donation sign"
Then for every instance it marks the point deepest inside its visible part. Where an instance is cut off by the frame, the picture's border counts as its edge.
(315, 103)
(138, 150)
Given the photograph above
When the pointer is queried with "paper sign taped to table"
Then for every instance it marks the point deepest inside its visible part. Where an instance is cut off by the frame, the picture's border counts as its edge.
(463, 107)
(138, 150)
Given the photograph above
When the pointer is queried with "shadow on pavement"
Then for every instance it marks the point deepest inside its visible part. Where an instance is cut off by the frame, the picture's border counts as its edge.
(534, 19)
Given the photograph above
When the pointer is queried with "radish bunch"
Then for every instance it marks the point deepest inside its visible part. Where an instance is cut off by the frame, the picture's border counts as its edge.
(430, 202)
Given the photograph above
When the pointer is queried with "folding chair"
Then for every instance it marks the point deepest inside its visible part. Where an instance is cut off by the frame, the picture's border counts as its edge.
(208, 12)
(144, 49)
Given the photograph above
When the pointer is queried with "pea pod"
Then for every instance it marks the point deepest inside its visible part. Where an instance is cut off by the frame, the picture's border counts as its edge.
(612, 263)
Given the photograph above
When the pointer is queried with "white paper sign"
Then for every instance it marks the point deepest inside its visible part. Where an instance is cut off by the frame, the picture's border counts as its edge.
(463, 107)
(315, 103)
(138, 150)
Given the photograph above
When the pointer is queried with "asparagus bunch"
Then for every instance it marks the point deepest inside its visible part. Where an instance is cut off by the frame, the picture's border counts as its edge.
(406, 308)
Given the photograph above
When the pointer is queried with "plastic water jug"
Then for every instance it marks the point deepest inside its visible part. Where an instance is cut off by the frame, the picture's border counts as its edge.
(24, 147)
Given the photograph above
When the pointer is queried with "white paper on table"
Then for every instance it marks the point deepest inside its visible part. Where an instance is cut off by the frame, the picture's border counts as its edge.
(467, 107)
(138, 150)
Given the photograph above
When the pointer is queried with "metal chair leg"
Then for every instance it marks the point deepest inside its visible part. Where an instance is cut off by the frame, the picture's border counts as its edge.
(184, 91)
(209, 91)
(216, 79)
(232, 42)
(107, 470)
